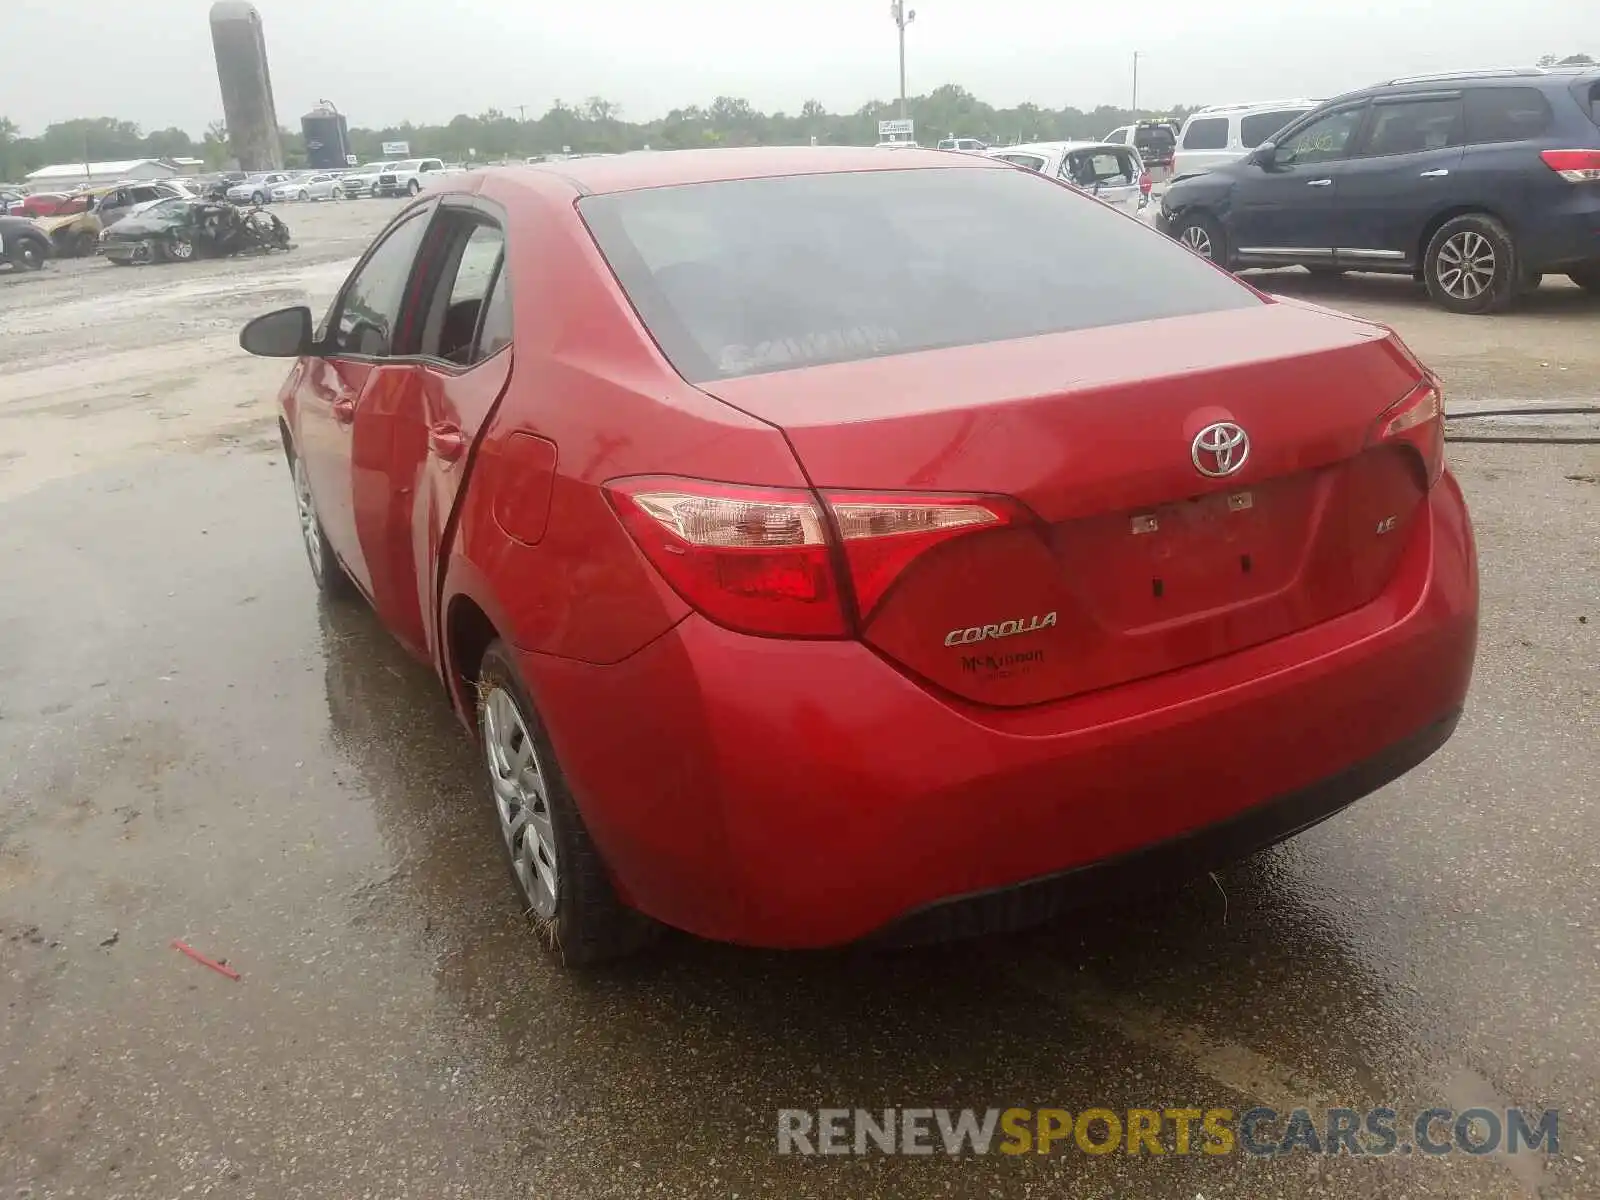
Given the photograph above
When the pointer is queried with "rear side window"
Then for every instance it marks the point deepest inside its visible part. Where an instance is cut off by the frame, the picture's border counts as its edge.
(1508, 114)
(1032, 161)
(1259, 127)
(1110, 168)
(1413, 126)
(750, 276)
(1207, 133)
(1119, 136)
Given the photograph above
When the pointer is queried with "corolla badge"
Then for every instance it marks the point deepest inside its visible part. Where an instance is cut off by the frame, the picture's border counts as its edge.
(1220, 449)
(1005, 629)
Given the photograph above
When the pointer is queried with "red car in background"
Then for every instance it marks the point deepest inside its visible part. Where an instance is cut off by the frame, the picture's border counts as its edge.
(808, 571)
(50, 204)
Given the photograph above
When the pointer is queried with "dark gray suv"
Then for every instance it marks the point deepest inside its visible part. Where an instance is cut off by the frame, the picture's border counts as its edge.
(1478, 184)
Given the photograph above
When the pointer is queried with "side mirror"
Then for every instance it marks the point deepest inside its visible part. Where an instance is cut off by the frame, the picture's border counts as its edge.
(282, 334)
(1265, 155)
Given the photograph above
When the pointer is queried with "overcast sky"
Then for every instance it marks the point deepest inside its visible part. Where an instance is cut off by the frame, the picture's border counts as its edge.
(382, 61)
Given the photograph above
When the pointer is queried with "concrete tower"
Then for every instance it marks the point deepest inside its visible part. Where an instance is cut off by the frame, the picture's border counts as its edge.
(246, 85)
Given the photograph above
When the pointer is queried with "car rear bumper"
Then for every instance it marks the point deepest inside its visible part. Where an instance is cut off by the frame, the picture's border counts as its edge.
(1565, 239)
(793, 794)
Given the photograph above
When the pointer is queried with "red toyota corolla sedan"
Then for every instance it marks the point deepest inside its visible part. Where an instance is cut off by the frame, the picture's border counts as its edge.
(829, 545)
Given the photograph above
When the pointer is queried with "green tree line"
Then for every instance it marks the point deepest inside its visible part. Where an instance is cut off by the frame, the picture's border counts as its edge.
(595, 125)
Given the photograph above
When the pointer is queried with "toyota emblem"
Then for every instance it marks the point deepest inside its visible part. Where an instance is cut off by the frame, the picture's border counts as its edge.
(1220, 449)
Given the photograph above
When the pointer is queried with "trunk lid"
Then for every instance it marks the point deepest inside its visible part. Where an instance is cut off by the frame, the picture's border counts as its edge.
(1138, 563)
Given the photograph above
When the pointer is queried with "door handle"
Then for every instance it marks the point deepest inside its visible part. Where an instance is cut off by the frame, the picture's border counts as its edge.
(445, 440)
(1439, 174)
(1320, 183)
(344, 408)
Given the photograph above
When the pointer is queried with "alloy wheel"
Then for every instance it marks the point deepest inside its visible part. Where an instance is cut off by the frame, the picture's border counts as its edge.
(310, 529)
(1466, 265)
(521, 799)
(1197, 239)
(181, 249)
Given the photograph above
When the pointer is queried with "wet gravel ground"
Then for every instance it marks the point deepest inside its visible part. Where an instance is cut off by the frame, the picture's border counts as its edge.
(191, 748)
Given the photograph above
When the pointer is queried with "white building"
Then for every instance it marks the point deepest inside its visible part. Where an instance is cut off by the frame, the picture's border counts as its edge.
(72, 174)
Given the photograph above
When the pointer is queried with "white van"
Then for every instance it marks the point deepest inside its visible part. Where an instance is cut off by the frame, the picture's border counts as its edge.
(1227, 132)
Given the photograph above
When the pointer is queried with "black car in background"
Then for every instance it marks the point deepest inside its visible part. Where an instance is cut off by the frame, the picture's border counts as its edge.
(23, 244)
(1477, 183)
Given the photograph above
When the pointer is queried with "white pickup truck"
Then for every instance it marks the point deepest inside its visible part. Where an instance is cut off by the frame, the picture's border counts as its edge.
(361, 181)
(406, 178)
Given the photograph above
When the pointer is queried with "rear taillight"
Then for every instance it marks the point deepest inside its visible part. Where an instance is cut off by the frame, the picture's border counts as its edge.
(1575, 166)
(1418, 422)
(1145, 183)
(762, 560)
(754, 559)
(884, 533)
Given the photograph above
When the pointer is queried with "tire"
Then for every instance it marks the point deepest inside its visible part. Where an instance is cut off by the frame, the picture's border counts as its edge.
(258, 199)
(330, 578)
(560, 879)
(1588, 278)
(1471, 265)
(336, 194)
(1202, 233)
(83, 246)
(179, 250)
(28, 254)
(303, 196)
(413, 188)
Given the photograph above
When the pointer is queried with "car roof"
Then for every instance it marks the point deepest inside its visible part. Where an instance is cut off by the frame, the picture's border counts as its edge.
(668, 168)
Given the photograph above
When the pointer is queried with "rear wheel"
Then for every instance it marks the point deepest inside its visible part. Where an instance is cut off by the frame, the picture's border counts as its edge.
(414, 188)
(1202, 233)
(1471, 265)
(560, 879)
(1588, 278)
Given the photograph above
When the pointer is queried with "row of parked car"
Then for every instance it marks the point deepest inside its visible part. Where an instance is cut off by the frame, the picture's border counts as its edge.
(403, 177)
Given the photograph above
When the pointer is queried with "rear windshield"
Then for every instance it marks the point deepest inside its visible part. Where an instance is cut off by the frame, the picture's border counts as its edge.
(1207, 133)
(758, 275)
(1155, 135)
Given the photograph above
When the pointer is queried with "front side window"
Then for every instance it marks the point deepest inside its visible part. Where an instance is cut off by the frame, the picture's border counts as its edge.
(757, 275)
(1324, 140)
(1413, 126)
(369, 309)
(1207, 133)
(1259, 127)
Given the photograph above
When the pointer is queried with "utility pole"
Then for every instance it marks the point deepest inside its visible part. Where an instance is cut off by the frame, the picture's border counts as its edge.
(1136, 54)
(522, 113)
(902, 17)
